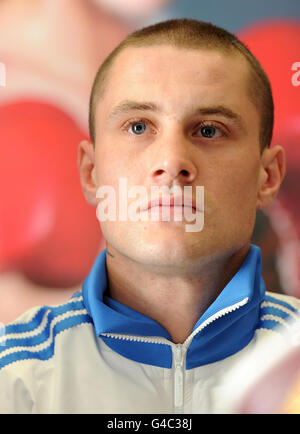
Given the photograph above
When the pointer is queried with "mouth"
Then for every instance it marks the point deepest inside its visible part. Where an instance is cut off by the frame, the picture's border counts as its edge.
(172, 207)
(173, 202)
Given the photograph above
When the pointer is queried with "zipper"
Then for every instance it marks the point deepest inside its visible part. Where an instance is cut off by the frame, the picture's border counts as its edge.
(160, 340)
(179, 351)
(216, 316)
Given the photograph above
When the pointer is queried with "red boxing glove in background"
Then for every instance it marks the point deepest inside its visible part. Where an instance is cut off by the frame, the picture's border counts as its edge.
(47, 230)
(276, 44)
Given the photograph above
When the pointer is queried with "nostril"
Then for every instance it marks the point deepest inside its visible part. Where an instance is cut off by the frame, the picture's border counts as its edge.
(185, 172)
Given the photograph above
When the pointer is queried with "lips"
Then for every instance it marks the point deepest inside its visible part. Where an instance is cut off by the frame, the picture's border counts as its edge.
(173, 201)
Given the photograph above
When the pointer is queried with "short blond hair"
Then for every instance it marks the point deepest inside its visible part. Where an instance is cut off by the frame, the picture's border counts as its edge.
(193, 34)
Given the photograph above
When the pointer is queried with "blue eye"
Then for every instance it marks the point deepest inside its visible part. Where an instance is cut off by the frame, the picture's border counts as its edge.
(208, 131)
(137, 128)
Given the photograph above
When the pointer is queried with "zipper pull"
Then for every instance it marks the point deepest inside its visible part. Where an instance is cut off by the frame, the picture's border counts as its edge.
(178, 355)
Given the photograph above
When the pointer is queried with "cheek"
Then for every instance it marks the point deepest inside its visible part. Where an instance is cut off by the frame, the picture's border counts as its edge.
(236, 184)
(107, 167)
(113, 163)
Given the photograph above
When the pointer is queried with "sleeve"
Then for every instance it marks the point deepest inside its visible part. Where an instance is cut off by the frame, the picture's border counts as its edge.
(15, 397)
(17, 374)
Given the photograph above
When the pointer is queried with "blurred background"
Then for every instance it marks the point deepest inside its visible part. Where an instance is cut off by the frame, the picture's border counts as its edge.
(50, 51)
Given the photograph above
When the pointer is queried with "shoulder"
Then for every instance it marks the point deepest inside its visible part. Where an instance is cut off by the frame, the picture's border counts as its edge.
(32, 335)
(278, 311)
(281, 304)
(285, 300)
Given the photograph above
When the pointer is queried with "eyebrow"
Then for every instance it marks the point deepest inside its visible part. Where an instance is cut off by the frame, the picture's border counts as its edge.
(127, 106)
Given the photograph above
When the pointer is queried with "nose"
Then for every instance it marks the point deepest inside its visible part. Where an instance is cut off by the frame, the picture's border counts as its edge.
(173, 161)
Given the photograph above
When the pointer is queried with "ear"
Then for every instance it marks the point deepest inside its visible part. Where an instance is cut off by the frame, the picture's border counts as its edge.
(272, 171)
(87, 171)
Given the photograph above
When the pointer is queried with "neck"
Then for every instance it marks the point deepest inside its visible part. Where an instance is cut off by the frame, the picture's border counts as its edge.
(175, 300)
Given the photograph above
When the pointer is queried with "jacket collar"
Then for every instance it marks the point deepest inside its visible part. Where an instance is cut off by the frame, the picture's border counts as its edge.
(225, 327)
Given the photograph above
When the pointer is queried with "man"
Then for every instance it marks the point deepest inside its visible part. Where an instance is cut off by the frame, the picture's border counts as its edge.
(165, 314)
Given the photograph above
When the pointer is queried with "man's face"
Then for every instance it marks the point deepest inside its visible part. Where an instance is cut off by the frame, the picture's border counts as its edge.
(204, 131)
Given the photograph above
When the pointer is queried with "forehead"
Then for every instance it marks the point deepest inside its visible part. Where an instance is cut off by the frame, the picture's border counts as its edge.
(178, 78)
